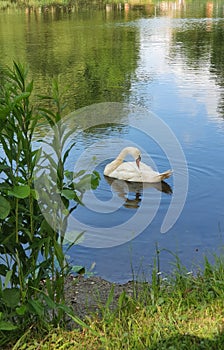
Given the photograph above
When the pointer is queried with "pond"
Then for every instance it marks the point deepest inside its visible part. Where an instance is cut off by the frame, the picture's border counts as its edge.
(148, 75)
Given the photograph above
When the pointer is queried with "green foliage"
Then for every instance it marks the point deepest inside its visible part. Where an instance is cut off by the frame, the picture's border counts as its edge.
(4, 208)
(33, 266)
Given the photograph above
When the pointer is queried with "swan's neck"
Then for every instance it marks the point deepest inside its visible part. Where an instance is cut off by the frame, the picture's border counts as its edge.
(122, 155)
(117, 162)
(112, 166)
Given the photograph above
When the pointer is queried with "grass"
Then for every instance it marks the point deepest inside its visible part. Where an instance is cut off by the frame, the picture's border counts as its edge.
(183, 312)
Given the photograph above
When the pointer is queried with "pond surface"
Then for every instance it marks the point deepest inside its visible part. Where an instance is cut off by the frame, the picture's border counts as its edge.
(167, 59)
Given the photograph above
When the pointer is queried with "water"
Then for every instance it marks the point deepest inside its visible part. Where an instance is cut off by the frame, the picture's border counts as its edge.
(168, 59)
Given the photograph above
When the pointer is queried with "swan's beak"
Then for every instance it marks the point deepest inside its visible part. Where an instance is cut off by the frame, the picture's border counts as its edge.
(138, 161)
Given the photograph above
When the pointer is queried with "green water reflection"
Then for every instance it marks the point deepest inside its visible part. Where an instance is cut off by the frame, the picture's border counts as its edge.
(95, 48)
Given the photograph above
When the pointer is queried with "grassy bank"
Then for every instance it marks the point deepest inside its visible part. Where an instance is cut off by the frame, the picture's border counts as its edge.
(181, 312)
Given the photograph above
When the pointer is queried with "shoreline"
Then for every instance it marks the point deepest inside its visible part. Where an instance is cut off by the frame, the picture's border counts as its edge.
(86, 295)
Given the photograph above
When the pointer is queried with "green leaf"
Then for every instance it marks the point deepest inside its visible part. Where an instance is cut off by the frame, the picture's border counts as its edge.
(69, 174)
(7, 326)
(22, 96)
(36, 307)
(29, 87)
(4, 208)
(110, 298)
(84, 184)
(50, 303)
(34, 194)
(79, 321)
(36, 155)
(79, 173)
(68, 151)
(11, 297)
(78, 199)
(7, 278)
(3, 270)
(59, 253)
(4, 112)
(71, 195)
(4, 167)
(21, 310)
(88, 181)
(95, 179)
(79, 269)
(65, 212)
(22, 191)
(68, 194)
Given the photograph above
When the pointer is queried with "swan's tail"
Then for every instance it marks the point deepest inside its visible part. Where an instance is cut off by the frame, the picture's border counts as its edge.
(166, 174)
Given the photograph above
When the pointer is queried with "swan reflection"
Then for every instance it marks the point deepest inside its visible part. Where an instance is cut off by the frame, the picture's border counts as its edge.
(131, 192)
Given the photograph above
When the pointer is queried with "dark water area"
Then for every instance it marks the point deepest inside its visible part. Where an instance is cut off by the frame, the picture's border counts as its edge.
(166, 58)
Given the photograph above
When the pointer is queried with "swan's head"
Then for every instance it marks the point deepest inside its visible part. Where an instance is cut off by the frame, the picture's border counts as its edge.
(138, 160)
(136, 154)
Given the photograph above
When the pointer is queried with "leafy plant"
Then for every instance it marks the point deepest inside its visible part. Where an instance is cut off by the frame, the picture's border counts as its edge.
(33, 266)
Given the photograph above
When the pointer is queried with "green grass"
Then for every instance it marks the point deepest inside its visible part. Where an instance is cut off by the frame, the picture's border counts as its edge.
(183, 312)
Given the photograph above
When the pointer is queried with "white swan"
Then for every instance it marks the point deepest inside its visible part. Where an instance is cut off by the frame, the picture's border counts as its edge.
(133, 171)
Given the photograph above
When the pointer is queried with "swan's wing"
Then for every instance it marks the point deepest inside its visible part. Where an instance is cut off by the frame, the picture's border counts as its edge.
(151, 176)
(127, 171)
(148, 174)
(146, 169)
